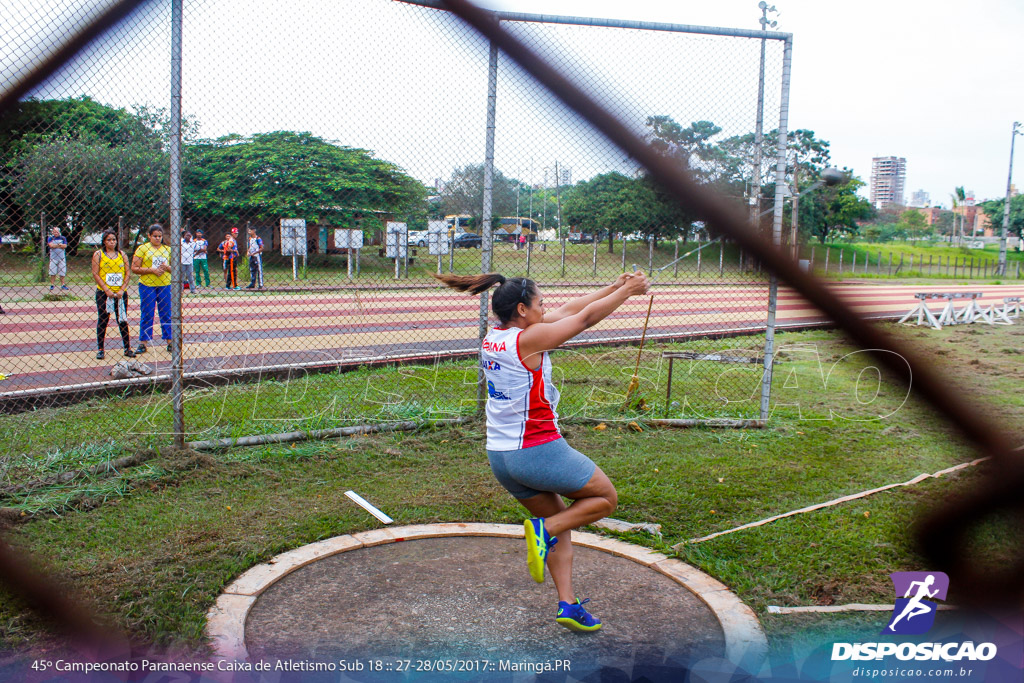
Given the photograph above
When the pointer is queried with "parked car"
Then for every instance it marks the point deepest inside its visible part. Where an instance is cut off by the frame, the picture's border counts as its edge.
(418, 238)
(465, 240)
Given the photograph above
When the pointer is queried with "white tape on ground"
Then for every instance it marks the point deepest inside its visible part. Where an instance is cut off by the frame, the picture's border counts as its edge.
(837, 501)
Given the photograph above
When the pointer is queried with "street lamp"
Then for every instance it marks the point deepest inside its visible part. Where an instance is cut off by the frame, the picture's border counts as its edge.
(1006, 207)
(755, 185)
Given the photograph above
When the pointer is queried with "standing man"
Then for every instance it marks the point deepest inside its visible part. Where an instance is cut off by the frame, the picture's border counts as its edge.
(187, 247)
(199, 260)
(58, 257)
(255, 260)
(228, 250)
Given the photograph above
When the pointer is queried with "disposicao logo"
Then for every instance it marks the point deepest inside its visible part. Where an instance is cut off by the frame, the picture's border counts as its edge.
(913, 613)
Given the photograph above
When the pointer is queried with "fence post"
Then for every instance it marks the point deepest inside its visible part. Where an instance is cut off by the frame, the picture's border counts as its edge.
(562, 240)
(595, 254)
(529, 254)
(828, 255)
(971, 271)
(930, 265)
(878, 269)
(841, 262)
(899, 268)
(488, 245)
(698, 260)
(623, 252)
(43, 256)
(650, 253)
(812, 258)
(121, 244)
(721, 258)
(1018, 270)
(177, 371)
(890, 264)
(911, 266)
(853, 266)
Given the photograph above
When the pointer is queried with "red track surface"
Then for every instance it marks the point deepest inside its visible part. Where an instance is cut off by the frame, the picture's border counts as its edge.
(52, 344)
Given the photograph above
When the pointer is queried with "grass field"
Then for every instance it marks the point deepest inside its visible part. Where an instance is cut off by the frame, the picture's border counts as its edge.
(151, 536)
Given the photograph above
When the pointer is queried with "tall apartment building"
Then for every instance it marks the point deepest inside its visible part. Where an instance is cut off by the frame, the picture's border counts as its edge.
(888, 177)
(919, 199)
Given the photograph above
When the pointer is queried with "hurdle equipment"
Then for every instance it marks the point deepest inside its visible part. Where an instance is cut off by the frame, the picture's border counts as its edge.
(1011, 307)
(922, 312)
(972, 312)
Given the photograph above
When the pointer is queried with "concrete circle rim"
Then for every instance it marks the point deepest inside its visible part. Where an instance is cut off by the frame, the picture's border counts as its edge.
(745, 642)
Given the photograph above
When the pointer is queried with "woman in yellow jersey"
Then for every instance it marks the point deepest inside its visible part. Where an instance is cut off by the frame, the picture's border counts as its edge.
(152, 262)
(110, 271)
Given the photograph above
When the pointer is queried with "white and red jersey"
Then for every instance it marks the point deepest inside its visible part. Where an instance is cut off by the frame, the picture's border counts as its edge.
(521, 402)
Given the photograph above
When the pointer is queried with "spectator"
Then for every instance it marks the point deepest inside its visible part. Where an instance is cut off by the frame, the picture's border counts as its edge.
(58, 257)
(111, 273)
(228, 250)
(199, 260)
(153, 262)
(187, 247)
(255, 260)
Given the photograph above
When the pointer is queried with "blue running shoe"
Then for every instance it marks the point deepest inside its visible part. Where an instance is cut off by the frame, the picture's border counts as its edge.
(538, 544)
(575, 618)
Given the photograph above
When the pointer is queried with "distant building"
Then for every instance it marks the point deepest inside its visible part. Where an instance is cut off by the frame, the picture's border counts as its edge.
(931, 214)
(888, 177)
(919, 199)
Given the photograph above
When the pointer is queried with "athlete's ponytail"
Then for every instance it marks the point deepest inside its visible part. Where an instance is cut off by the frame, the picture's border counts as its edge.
(510, 293)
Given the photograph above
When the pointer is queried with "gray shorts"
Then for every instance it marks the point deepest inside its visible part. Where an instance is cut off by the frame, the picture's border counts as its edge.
(59, 267)
(554, 466)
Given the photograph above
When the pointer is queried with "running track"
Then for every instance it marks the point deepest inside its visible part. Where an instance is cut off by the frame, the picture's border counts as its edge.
(52, 344)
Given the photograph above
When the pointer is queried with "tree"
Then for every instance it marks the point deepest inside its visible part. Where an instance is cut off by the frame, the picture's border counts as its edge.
(85, 185)
(463, 193)
(994, 210)
(913, 223)
(612, 202)
(284, 173)
(834, 209)
(78, 127)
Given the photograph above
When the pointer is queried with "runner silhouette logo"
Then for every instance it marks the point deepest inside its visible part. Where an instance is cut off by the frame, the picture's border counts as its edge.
(914, 613)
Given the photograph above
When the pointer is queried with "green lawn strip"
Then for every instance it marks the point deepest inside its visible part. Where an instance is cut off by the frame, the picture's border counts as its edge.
(157, 553)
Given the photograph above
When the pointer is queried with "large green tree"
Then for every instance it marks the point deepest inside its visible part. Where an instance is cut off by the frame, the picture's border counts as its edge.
(994, 210)
(85, 185)
(463, 193)
(612, 202)
(834, 209)
(48, 145)
(290, 174)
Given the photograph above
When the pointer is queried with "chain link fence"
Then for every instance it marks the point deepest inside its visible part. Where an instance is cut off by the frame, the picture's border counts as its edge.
(331, 162)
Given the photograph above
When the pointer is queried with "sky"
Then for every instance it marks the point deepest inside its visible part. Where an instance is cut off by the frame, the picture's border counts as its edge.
(939, 83)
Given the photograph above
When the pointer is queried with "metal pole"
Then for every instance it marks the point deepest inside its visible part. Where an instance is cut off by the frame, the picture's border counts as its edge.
(177, 371)
(623, 251)
(1006, 207)
(487, 244)
(595, 254)
(650, 253)
(529, 254)
(43, 270)
(721, 258)
(795, 206)
(755, 176)
(558, 202)
(405, 254)
(780, 179)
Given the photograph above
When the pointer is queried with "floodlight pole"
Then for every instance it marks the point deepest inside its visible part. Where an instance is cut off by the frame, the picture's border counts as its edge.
(1006, 207)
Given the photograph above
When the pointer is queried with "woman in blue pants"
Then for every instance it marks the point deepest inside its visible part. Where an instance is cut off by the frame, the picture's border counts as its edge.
(152, 262)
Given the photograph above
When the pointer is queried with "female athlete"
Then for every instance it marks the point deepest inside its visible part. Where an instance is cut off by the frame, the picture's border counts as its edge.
(527, 453)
